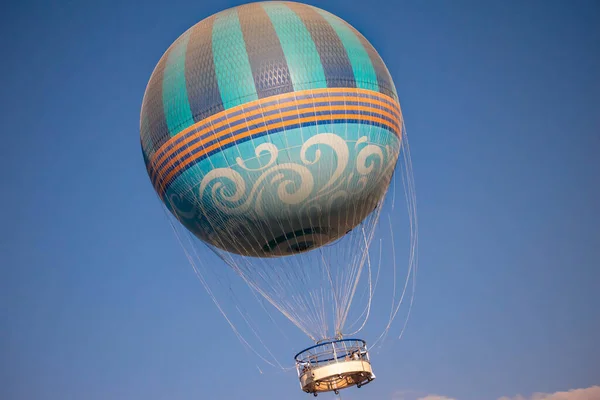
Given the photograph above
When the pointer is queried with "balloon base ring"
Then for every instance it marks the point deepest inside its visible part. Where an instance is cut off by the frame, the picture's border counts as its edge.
(333, 366)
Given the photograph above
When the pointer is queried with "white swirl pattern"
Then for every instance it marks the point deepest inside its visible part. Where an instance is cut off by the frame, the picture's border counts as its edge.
(228, 188)
(242, 207)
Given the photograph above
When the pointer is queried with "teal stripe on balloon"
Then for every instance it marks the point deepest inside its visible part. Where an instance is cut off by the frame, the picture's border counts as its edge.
(174, 91)
(364, 72)
(301, 54)
(232, 66)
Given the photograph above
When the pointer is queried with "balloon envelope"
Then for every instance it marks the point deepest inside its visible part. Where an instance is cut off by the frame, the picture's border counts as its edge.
(271, 129)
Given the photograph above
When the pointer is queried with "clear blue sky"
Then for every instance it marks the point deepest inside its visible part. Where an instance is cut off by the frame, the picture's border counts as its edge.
(501, 101)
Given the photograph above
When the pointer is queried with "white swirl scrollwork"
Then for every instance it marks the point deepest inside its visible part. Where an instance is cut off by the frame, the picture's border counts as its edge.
(219, 188)
(362, 165)
(361, 140)
(288, 191)
(261, 148)
(293, 184)
(339, 147)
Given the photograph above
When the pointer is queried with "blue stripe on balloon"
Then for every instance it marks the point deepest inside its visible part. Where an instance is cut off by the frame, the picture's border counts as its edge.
(201, 78)
(303, 60)
(384, 79)
(247, 124)
(168, 170)
(245, 109)
(153, 109)
(353, 94)
(333, 55)
(174, 93)
(269, 66)
(364, 72)
(232, 65)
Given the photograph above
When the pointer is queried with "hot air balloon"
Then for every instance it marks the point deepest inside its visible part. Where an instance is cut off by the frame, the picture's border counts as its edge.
(271, 132)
